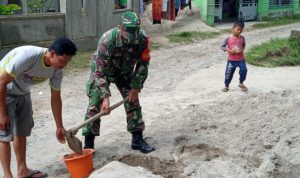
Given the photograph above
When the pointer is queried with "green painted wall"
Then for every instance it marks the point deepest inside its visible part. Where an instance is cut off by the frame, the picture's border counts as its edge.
(296, 7)
(202, 9)
(197, 3)
(207, 9)
(263, 8)
(210, 4)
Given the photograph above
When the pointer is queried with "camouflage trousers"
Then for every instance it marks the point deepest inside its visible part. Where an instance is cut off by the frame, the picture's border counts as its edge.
(133, 111)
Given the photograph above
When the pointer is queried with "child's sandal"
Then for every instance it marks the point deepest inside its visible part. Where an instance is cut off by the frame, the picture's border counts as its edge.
(243, 87)
(225, 89)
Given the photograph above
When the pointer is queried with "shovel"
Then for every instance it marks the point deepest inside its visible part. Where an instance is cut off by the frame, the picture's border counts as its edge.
(74, 143)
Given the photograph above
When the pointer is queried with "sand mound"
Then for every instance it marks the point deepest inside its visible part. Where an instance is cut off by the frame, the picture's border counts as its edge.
(253, 134)
(187, 20)
(240, 135)
(116, 169)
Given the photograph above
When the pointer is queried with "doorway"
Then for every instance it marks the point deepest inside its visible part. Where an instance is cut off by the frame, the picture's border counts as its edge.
(230, 10)
(233, 10)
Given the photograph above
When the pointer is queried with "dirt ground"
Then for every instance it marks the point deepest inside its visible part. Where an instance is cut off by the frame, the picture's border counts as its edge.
(198, 130)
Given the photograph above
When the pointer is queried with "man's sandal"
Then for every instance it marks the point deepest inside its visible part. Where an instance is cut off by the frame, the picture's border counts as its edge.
(36, 174)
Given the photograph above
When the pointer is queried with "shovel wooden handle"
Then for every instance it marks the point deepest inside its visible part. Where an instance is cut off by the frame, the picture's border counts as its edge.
(75, 129)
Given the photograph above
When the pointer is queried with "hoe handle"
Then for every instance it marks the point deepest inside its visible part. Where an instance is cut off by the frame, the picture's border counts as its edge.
(75, 129)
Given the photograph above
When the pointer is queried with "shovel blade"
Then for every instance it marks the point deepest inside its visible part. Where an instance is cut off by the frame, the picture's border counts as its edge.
(74, 144)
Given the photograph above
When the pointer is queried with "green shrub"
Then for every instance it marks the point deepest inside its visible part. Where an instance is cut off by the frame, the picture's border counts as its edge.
(9, 9)
(36, 5)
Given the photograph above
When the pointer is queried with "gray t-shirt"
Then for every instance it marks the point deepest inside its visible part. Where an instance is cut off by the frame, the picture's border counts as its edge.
(26, 65)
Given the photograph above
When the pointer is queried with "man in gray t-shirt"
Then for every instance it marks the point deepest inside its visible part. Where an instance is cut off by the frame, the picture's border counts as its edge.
(19, 70)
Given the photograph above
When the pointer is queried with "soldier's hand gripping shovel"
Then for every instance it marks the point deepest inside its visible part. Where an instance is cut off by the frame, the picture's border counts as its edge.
(74, 143)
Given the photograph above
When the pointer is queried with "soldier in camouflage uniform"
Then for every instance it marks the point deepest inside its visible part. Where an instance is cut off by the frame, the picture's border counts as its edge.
(122, 57)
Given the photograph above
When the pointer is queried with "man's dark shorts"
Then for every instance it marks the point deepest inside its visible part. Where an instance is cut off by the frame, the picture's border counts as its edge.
(19, 111)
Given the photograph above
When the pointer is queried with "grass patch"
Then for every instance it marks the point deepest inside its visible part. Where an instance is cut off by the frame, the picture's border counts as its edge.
(226, 30)
(189, 37)
(273, 22)
(154, 46)
(80, 61)
(277, 52)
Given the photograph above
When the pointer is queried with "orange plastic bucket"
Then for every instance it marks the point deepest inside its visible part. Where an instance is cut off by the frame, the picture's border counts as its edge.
(80, 166)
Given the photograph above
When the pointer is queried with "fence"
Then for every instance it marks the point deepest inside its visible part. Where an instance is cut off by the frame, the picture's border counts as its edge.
(83, 21)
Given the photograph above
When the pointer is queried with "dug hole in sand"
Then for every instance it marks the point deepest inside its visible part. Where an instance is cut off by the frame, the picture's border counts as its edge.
(199, 131)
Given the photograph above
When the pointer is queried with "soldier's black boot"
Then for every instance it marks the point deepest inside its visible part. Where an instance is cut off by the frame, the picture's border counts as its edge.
(138, 143)
(89, 141)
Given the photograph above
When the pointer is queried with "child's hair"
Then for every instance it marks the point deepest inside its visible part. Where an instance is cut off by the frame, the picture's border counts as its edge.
(63, 46)
(238, 24)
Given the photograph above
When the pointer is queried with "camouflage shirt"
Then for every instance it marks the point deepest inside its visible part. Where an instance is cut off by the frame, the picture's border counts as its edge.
(114, 59)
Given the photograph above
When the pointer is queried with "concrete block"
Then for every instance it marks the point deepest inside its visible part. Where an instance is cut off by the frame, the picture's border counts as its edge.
(295, 33)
